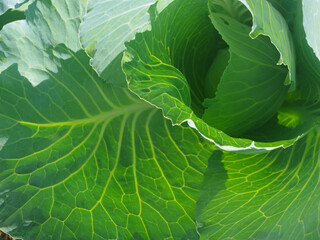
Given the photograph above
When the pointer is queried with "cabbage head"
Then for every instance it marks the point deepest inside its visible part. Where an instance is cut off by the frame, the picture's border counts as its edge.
(160, 119)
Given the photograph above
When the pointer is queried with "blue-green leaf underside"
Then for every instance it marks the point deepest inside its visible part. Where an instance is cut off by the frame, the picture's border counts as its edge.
(31, 43)
(108, 25)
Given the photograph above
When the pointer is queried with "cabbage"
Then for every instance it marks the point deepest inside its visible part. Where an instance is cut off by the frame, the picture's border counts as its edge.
(160, 119)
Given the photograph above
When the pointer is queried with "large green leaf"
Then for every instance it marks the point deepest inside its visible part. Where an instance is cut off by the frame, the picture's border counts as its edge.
(268, 196)
(167, 67)
(76, 148)
(82, 159)
(250, 90)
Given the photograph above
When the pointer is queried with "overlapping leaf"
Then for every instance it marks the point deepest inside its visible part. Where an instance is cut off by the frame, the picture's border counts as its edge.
(307, 94)
(268, 21)
(308, 63)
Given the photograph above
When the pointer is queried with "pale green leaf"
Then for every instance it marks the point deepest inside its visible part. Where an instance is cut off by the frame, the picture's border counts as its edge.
(29, 43)
(162, 4)
(108, 25)
(7, 4)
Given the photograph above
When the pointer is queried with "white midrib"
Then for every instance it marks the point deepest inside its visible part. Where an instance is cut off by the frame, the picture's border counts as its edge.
(125, 110)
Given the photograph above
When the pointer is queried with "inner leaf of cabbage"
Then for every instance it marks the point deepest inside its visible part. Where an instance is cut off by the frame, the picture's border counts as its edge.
(169, 67)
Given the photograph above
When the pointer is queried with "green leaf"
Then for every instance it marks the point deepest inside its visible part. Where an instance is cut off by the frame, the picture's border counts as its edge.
(267, 196)
(251, 89)
(167, 67)
(76, 148)
(268, 21)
